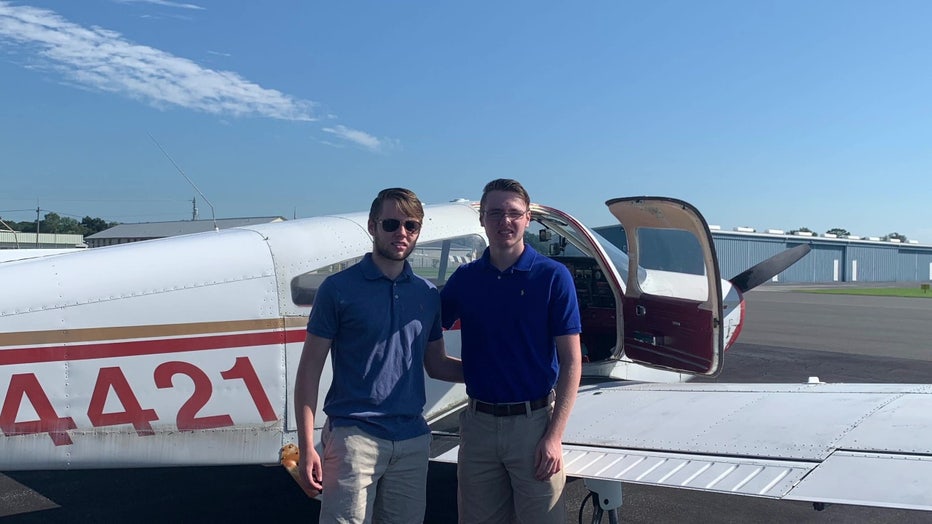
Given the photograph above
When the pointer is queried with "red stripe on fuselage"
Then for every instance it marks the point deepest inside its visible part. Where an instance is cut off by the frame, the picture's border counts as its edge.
(63, 353)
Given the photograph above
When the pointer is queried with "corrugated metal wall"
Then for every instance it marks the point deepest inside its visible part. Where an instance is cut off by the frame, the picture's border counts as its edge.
(913, 265)
(735, 254)
(824, 263)
(871, 263)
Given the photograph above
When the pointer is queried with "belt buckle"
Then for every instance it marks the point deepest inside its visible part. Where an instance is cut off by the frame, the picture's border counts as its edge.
(506, 409)
(519, 408)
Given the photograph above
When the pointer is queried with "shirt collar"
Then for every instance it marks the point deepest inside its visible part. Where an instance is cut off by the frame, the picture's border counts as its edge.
(523, 263)
(372, 271)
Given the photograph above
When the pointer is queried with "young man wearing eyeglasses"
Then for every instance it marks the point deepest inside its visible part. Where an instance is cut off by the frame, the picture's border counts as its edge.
(521, 360)
(381, 323)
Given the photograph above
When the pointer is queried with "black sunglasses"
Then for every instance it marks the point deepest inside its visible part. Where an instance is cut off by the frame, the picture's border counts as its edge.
(390, 225)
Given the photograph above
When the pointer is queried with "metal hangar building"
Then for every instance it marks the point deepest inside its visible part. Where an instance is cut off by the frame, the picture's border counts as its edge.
(832, 259)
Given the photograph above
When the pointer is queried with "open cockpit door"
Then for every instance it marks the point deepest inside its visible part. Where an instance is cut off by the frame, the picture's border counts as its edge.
(672, 302)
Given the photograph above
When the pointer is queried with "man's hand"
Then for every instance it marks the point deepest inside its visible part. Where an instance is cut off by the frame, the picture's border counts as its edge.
(290, 458)
(548, 457)
(311, 472)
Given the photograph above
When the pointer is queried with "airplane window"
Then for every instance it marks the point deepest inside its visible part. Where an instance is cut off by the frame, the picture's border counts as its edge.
(437, 260)
(304, 287)
(679, 256)
(615, 235)
(619, 258)
(674, 250)
(434, 261)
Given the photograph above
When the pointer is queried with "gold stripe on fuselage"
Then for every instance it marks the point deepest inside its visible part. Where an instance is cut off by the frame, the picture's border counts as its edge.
(103, 334)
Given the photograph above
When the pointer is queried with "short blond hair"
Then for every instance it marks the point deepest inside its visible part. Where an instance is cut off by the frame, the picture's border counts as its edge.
(406, 200)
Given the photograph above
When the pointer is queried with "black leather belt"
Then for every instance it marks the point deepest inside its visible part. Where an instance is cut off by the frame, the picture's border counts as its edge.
(507, 410)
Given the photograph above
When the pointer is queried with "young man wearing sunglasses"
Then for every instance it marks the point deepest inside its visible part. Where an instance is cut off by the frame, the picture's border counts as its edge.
(381, 324)
(521, 360)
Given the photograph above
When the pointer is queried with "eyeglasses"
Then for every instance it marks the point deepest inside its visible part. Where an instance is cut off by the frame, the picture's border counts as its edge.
(498, 215)
(390, 225)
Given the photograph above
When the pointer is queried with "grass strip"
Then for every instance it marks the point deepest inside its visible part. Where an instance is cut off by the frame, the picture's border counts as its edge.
(907, 292)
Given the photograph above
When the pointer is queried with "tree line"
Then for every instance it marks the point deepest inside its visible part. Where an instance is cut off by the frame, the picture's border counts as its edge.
(842, 232)
(55, 223)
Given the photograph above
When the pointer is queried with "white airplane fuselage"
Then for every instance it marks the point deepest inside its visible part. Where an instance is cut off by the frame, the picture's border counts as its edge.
(183, 350)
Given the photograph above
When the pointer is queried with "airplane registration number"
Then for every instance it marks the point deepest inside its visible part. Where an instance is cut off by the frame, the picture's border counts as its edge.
(112, 388)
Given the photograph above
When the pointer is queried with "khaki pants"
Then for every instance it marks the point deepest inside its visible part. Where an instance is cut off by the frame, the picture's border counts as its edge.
(496, 470)
(368, 479)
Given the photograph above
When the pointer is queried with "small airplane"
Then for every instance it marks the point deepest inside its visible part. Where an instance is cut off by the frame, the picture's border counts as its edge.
(183, 351)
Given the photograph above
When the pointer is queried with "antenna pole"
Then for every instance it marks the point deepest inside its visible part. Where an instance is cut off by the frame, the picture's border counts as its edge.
(213, 216)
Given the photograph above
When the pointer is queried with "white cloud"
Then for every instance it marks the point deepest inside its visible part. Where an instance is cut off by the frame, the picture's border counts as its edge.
(163, 3)
(101, 59)
(361, 138)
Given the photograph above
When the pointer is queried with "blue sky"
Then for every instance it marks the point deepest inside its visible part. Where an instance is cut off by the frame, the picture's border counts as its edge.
(768, 114)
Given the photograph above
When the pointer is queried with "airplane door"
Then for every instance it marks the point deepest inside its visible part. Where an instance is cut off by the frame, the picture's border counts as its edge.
(672, 304)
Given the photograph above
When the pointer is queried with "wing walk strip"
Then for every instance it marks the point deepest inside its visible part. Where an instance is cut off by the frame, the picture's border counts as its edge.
(741, 476)
(888, 480)
(744, 476)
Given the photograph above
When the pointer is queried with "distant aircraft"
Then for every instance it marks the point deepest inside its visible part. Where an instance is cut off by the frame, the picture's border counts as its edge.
(183, 351)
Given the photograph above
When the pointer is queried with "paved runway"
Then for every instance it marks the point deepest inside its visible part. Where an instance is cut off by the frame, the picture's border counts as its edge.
(789, 336)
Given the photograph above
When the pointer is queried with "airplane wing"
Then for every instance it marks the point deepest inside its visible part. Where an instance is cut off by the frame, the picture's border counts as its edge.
(860, 444)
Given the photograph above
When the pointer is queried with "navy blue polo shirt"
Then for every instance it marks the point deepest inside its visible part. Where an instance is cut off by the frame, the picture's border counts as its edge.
(380, 328)
(508, 321)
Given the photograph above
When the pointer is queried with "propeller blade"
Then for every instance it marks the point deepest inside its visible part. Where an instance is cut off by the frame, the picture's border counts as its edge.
(758, 274)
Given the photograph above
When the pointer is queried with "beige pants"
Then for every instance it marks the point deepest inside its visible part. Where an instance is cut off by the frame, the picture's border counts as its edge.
(368, 479)
(496, 470)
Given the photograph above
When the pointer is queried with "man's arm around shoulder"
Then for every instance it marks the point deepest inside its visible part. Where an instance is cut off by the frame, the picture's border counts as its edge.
(441, 366)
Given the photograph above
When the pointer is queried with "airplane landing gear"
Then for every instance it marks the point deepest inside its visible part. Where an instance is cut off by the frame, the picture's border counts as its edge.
(606, 497)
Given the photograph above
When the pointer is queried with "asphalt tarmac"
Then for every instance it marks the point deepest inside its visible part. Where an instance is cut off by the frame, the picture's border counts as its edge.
(788, 337)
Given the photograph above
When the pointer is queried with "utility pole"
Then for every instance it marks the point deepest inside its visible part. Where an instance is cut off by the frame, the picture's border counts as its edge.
(194, 208)
(37, 225)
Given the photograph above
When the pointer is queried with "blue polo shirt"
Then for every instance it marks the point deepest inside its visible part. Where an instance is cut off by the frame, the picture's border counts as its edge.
(380, 328)
(508, 321)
